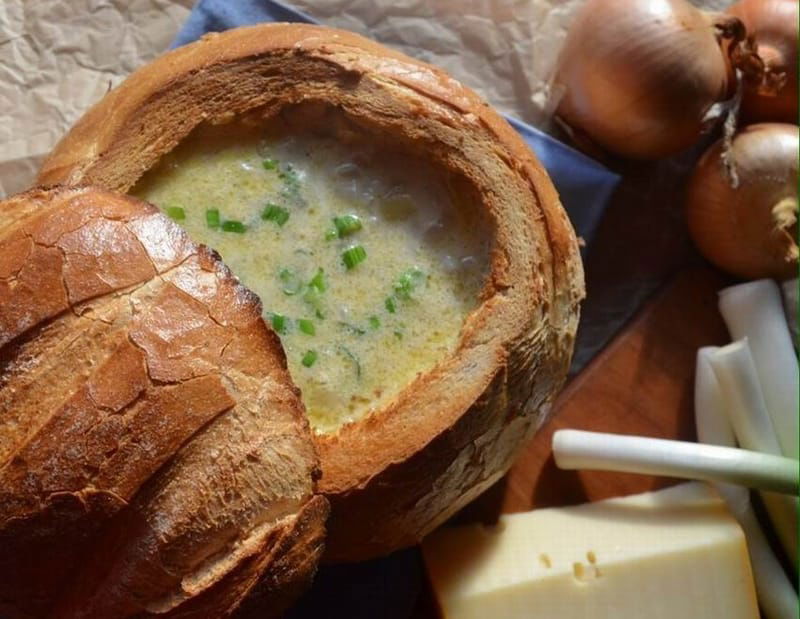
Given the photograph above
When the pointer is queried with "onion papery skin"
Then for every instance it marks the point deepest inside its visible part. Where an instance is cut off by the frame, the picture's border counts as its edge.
(735, 228)
(639, 76)
(773, 24)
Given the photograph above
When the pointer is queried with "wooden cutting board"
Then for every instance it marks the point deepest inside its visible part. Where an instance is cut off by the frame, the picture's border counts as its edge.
(641, 383)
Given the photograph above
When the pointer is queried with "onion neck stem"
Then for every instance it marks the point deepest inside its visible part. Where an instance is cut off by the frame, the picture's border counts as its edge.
(742, 49)
(728, 26)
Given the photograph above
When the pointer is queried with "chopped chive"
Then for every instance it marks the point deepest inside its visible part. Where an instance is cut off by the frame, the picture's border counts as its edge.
(269, 163)
(289, 175)
(398, 335)
(212, 218)
(273, 212)
(313, 293)
(280, 323)
(291, 283)
(390, 304)
(306, 326)
(330, 234)
(313, 297)
(234, 226)
(353, 255)
(310, 358)
(346, 225)
(374, 322)
(175, 212)
(291, 185)
(352, 358)
(318, 281)
(352, 328)
(408, 282)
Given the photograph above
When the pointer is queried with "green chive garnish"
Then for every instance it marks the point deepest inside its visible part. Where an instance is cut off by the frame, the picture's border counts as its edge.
(309, 358)
(270, 164)
(291, 185)
(331, 234)
(306, 326)
(313, 297)
(212, 218)
(391, 306)
(234, 226)
(353, 358)
(318, 281)
(279, 323)
(352, 328)
(313, 293)
(346, 225)
(408, 282)
(353, 255)
(176, 213)
(291, 283)
(374, 322)
(289, 175)
(273, 212)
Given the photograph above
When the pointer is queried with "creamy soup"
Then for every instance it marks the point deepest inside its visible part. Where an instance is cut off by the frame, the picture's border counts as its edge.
(365, 265)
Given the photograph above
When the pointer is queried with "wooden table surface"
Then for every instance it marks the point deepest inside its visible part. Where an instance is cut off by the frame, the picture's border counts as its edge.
(642, 383)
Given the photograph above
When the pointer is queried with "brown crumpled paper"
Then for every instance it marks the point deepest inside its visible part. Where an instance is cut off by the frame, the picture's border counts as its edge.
(505, 50)
(57, 57)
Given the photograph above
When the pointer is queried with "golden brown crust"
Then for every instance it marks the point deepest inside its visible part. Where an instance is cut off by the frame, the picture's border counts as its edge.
(397, 474)
(151, 441)
(292, 566)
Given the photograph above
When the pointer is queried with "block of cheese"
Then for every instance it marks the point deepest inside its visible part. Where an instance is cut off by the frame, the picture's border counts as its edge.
(674, 553)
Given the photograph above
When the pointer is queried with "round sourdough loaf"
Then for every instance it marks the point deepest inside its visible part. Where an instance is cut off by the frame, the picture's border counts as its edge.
(155, 459)
(398, 473)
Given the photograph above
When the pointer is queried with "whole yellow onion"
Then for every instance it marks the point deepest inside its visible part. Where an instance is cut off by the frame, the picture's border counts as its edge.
(746, 223)
(640, 76)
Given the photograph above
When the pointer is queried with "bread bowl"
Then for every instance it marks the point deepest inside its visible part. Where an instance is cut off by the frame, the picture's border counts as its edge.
(395, 472)
(154, 455)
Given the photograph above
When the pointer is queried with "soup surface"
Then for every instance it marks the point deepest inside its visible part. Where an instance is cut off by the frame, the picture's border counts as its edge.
(365, 264)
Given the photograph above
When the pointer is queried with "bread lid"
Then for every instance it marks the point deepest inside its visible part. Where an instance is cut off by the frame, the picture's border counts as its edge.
(395, 475)
(154, 454)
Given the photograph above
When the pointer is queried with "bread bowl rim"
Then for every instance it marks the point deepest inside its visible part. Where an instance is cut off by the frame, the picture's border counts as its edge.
(361, 451)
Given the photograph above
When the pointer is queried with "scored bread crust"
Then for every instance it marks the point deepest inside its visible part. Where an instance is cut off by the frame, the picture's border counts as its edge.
(395, 475)
(155, 459)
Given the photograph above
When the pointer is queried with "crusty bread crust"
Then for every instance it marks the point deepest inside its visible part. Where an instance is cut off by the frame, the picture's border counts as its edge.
(155, 458)
(397, 474)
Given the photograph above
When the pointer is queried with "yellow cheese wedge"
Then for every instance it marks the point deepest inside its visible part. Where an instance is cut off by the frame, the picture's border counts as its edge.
(675, 553)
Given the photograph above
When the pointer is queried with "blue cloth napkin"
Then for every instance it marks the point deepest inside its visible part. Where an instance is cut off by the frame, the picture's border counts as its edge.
(583, 184)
